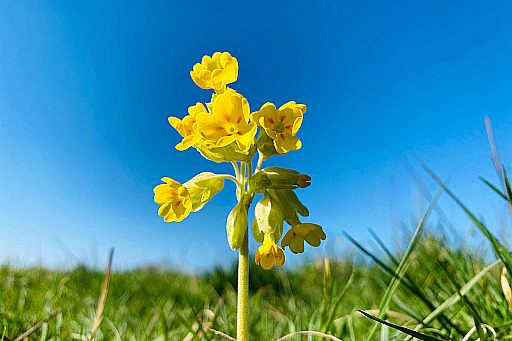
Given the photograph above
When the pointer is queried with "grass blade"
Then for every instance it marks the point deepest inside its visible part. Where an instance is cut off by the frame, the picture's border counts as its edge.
(404, 330)
(403, 266)
(500, 251)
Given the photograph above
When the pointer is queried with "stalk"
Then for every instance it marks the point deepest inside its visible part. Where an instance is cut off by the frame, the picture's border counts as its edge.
(242, 320)
(242, 313)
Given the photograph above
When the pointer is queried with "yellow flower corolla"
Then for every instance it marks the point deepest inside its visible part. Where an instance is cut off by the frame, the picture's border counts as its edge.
(215, 72)
(228, 122)
(269, 254)
(186, 127)
(281, 124)
(174, 200)
(295, 237)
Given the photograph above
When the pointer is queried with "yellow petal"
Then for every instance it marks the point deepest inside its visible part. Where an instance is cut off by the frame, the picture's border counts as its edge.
(297, 245)
(286, 142)
(279, 256)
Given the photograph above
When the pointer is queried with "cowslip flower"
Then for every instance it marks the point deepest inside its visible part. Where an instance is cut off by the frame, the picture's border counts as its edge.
(186, 127)
(215, 72)
(269, 254)
(228, 122)
(281, 124)
(295, 237)
(177, 200)
(174, 200)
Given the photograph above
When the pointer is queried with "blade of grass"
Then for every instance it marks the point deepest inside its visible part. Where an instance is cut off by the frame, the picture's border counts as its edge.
(500, 251)
(495, 189)
(404, 330)
(403, 266)
(103, 296)
(453, 299)
(409, 284)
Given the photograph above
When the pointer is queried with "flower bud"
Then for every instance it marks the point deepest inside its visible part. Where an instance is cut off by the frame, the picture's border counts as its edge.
(278, 178)
(237, 224)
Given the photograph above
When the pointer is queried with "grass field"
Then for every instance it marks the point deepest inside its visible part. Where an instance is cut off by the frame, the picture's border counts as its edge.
(154, 304)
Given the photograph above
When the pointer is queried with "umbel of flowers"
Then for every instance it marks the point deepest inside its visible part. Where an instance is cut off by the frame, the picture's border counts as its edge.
(225, 130)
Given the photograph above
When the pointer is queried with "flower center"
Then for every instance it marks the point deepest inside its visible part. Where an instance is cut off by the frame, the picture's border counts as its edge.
(231, 129)
(279, 127)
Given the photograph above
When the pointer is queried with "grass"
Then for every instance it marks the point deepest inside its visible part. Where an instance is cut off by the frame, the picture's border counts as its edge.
(156, 304)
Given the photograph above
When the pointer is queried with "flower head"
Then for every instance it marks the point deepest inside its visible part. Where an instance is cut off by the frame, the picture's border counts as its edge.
(186, 127)
(295, 237)
(215, 72)
(269, 254)
(174, 200)
(228, 122)
(281, 124)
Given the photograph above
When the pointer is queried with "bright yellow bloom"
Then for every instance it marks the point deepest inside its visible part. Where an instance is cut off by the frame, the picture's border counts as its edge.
(295, 237)
(174, 200)
(281, 124)
(228, 122)
(215, 72)
(269, 254)
(187, 127)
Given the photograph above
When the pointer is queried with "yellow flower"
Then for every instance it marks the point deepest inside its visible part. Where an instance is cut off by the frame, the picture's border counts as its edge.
(281, 124)
(187, 127)
(228, 122)
(174, 200)
(215, 72)
(269, 254)
(294, 238)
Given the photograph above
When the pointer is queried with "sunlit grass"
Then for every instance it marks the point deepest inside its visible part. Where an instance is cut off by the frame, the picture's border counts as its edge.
(156, 304)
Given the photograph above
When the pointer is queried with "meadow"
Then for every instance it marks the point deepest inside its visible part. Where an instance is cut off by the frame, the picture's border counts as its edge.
(446, 292)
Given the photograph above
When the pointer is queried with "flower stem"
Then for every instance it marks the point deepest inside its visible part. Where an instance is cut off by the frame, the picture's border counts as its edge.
(242, 321)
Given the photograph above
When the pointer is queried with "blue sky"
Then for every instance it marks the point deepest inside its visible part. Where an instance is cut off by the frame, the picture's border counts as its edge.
(86, 89)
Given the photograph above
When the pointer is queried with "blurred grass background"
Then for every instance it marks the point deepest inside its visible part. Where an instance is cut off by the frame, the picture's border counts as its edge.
(324, 295)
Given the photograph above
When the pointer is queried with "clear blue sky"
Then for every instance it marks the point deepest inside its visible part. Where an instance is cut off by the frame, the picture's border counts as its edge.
(86, 89)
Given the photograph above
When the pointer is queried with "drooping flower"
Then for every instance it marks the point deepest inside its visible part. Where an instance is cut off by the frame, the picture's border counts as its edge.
(237, 223)
(295, 237)
(215, 72)
(282, 124)
(174, 200)
(228, 122)
(269, 254)
(186, 127)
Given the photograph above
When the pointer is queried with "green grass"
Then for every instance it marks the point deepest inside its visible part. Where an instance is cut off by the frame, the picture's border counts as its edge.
(154, 304)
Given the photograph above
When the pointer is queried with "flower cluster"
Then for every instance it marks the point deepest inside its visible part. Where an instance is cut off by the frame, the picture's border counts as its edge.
(225, 130)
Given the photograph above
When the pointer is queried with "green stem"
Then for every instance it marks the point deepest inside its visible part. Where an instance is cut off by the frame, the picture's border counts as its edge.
(242, 314)
(232, 178)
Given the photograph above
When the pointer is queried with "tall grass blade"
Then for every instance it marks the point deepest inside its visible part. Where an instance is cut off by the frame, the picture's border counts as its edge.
(500, 251)
(453, 299)
(404, 330)
(495, 189)
(403, 266)
(409, 284)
